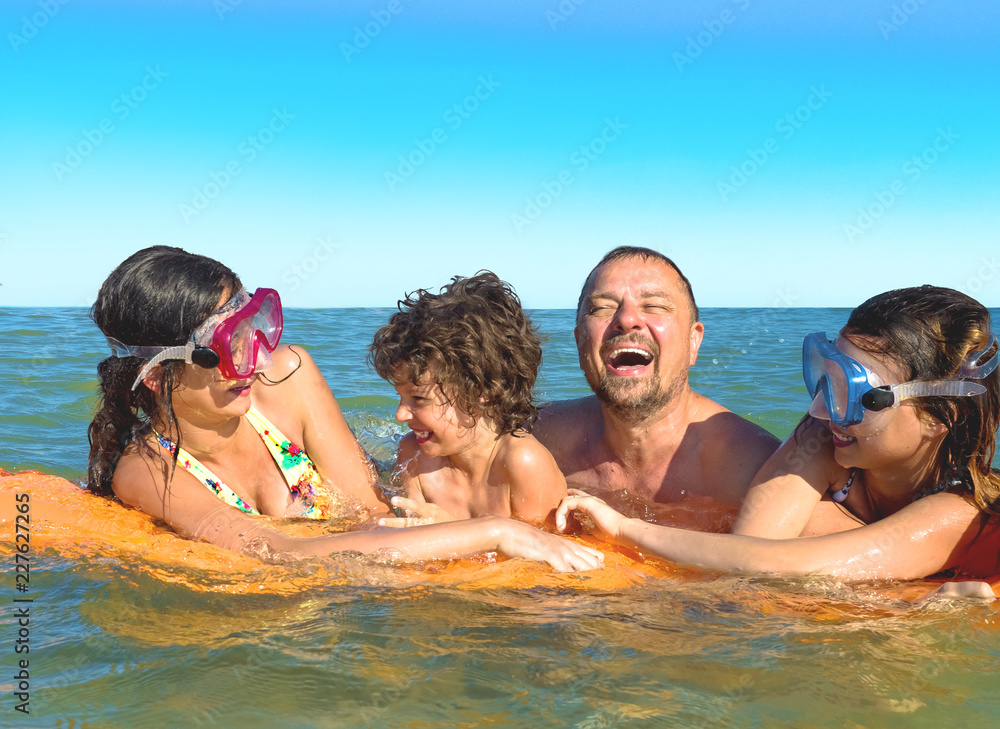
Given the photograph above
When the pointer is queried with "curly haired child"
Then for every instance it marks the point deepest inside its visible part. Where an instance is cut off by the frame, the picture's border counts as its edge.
(464, 362)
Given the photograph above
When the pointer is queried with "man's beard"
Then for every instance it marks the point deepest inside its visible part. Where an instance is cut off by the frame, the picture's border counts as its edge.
(634, 400)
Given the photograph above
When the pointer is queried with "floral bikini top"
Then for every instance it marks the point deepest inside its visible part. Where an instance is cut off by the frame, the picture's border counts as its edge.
(312, 499)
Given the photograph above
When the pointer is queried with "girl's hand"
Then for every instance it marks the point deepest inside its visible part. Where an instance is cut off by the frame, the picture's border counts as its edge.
(420, 512)
(605, 521)
(517, 539)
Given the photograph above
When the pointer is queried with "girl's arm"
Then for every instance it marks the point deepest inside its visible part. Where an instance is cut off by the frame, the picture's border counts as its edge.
(536, 484)
(922, 539)
(196, 513)
(790, 485)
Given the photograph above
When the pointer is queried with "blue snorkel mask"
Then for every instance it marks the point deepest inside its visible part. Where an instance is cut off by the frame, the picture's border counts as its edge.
(849, 389)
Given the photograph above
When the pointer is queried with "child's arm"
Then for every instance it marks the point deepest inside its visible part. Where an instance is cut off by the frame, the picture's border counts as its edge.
(536, 484)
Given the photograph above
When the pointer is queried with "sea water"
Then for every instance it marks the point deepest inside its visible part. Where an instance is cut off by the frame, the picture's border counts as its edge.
(115, 647)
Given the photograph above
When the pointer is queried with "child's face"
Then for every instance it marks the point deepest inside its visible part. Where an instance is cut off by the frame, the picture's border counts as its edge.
(441, 428)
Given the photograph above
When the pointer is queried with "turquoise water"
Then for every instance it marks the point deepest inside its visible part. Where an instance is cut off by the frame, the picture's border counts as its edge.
(113, 647)
(749, 362)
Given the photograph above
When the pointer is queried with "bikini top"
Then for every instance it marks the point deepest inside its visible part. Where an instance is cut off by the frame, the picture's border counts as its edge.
(312, 499)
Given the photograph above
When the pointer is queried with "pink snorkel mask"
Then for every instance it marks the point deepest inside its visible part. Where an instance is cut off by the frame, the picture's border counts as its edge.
(238, 338)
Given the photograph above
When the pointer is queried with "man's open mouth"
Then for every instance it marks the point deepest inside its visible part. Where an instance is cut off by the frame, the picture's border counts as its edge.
(628, 359)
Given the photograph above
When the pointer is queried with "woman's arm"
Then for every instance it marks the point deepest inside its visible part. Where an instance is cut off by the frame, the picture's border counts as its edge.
(196, 513)
(790, 485)
(922, 539)
(305, 398)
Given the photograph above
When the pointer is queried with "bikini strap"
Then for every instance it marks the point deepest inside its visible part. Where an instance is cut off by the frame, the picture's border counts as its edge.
(193, 466)
(304, 482)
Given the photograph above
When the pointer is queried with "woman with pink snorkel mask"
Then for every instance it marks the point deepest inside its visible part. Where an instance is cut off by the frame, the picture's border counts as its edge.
(206, 422)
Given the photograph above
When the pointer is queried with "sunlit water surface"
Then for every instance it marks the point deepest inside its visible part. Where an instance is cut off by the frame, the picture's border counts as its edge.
(113, 645)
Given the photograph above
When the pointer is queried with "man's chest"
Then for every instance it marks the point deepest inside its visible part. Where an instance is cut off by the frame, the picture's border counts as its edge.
(664, 481)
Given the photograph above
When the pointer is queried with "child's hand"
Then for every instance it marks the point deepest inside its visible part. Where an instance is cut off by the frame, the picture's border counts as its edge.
(603, 520)
(421, 513)
(517, 539)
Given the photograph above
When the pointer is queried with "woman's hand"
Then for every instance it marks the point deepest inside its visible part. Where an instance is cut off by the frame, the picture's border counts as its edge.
(518, 539)
(420, 513)
(607, 522)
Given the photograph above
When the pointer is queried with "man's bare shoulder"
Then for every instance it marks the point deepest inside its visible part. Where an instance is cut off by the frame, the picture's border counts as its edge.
(731, 451)
(731, 428)
(564, 413)
(567, 419)
(726, 429)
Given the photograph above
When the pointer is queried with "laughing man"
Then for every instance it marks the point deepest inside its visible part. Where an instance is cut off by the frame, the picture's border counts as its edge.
(645, 429)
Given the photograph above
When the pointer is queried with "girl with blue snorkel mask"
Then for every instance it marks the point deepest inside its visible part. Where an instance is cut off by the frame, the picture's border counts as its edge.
(204, 421)
(889, 475)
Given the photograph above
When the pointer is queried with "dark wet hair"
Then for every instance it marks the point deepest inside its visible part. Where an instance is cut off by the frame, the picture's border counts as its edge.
(475, 340)
(931, 331)
(623, 252)
(157, 296)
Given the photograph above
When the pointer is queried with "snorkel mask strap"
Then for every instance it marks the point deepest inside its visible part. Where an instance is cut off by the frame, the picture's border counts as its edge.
(119, 349)
(975, 371)
(941, 388)
(892, 396)
(183, 352)
(158, 354)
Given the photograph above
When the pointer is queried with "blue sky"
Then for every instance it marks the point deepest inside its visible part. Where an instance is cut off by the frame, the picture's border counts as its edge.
(783, 153)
